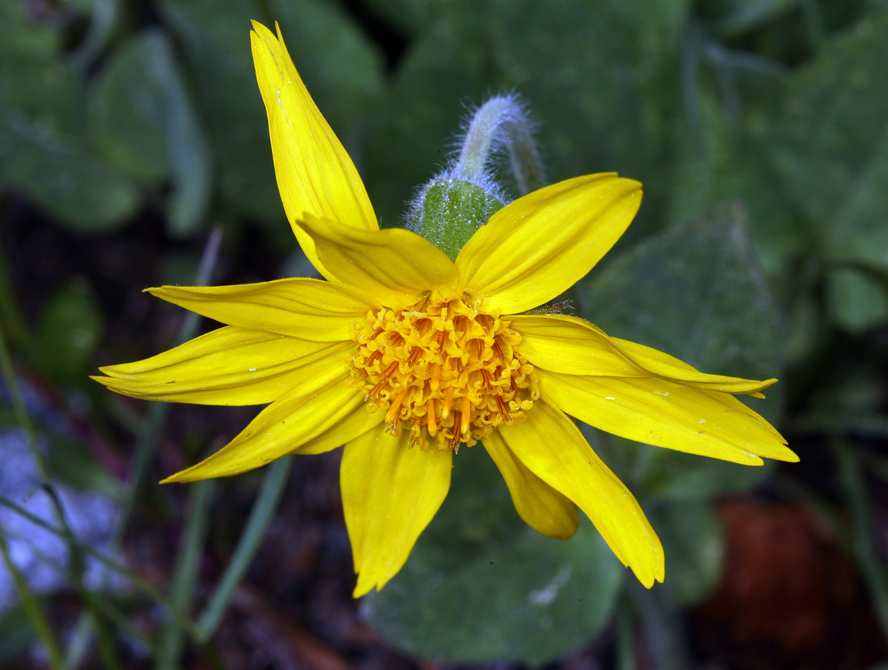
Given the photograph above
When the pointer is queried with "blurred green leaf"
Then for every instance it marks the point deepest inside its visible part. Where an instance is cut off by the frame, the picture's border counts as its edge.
(127, 113)
(693, 541)
(16, 634)
(592, 75)
(21, 35)
(104, 17)
(728, 161)
(44, 151)
(143, 120)
(480, 584)
(420, 116)
(831, 146)
(216, 38)
(69, 329)
(856, 302)
(747, 14)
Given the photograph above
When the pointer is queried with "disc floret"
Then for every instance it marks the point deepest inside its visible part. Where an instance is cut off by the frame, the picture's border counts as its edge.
(442, 369)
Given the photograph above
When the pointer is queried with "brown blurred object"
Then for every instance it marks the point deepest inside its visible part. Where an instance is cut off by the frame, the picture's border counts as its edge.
(789, 599)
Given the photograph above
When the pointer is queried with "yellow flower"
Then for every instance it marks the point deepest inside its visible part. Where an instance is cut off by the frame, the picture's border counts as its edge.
(402, 355)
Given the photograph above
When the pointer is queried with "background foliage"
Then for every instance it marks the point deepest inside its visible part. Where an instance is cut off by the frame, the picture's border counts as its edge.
(129, 127)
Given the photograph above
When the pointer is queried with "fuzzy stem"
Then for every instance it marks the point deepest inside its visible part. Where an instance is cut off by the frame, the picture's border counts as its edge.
(500, 123)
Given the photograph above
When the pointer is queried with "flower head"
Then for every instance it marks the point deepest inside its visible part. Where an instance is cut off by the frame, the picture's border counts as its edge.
(403, 355)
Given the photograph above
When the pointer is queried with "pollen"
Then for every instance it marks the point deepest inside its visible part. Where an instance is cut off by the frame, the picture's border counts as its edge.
(443, 370)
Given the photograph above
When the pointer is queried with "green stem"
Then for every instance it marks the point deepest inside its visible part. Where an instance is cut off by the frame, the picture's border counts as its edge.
(625, 640)
(863, 538)
(250, 539)
(139, 583)
(150, 441)
(185, 574)
(10, 314)
(500, 121)
(18, 406)
(32, 608)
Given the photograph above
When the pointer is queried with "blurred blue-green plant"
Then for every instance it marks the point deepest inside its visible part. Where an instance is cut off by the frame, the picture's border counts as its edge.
(759, 130)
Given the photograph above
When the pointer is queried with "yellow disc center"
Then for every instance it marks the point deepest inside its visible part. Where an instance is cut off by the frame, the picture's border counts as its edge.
(444, 370)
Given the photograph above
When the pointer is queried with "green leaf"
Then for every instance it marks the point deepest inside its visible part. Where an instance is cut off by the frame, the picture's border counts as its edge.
(696, 292)
(694, 544)
(747, 14)
(481, 585)
(855, 301)
(69, 330)
(127, 113)
(592, 75)
(831, 146)
(728, 161)
(19, 35)
(16, 635)
(145, 123)
(46, 154)
(420, 117)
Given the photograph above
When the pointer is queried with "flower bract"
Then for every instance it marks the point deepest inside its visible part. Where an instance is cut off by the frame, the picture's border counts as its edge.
(403, 356)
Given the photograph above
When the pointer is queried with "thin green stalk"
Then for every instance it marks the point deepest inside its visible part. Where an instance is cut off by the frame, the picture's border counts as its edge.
(139, 583)
(625, 640)
(500, 122)
(10, 314)
(813, 19)
(18, 406)
(106, 646)
(251, 538)
(35, 614)
(75, 575)
(659, 619)
(150, 439)
(185, 574)
(863, 538)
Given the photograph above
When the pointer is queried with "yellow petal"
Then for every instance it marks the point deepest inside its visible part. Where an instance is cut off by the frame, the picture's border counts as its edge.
(552, 447)
(542, 507)
(354, 425)
(309, 309)
(280, 429)
(668, 367)
(314, 172)
(542, 244)
(228, 366)
(570, 345)
(394, 265)
(567, 344)
(665, 414)
(390, 493)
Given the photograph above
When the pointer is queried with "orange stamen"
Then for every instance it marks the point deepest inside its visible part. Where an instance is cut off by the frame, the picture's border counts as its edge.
(414, 355)
(454, 441)
(503, 410)
(382, 382)
(395, 409)
(448, 401)
(430, 415)
(466, 416)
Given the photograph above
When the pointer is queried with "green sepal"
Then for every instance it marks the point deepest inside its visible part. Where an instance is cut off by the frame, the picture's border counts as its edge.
(450, 210)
